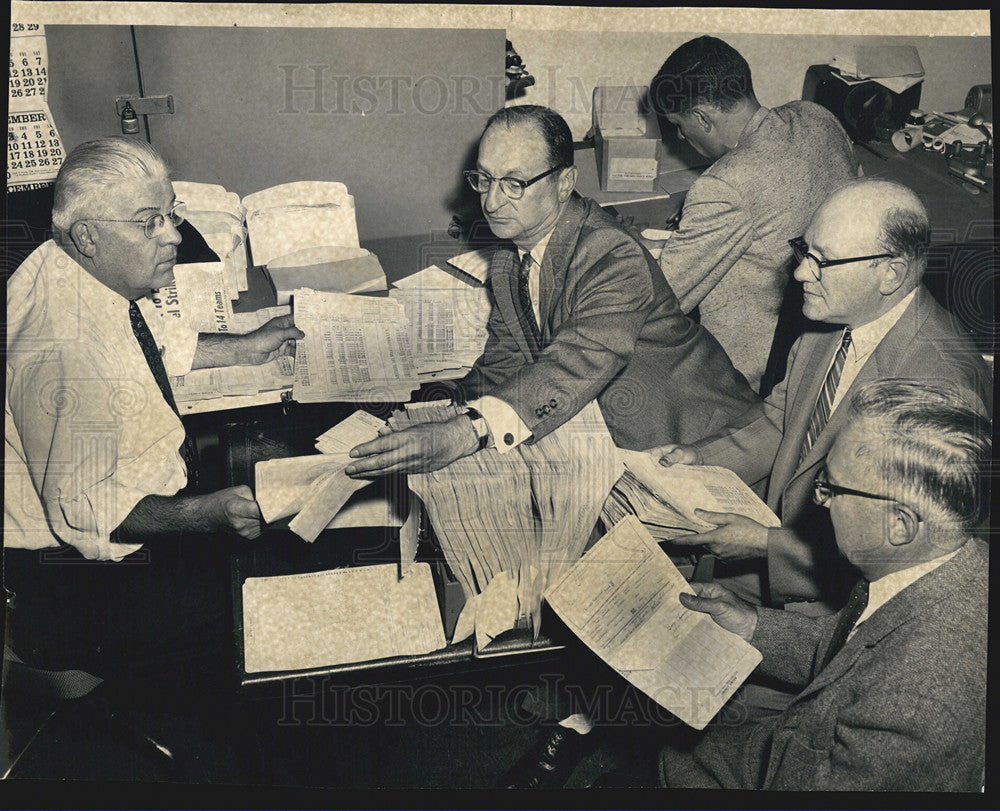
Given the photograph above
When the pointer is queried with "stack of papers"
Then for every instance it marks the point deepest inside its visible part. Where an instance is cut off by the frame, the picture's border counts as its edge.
(316, 491)
(356, 349)
(665, 498)
(217, 215)
(510, 523)
(296, 622)
(896, 67)
(329, 268)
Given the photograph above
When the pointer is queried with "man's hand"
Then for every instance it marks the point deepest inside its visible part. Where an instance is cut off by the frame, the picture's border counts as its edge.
(273, 340)
(728, 610)
(668, 455)
(737, 538)
(419, 449)
(234, 509)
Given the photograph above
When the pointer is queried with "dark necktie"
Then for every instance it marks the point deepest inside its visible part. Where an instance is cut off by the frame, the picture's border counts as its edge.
(824, 405)
(152, 354)
(849, 616)
(524, 295)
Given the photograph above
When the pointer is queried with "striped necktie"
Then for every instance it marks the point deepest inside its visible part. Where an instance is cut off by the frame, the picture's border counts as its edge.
(524, 297)
(849, 616)
(824, 405)
(151, 352)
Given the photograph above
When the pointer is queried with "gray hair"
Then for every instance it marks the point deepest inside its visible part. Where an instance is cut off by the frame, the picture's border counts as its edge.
(936, 444)
(92, 166)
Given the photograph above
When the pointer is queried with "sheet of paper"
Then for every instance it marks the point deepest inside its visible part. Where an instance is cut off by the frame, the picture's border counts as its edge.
(476, 263)
(621, 599)
(297, 622)
(356, 349)
(34, 149)
(690, 487)
(447, 328)
(322, 502)
(198, 297)
(357, 428)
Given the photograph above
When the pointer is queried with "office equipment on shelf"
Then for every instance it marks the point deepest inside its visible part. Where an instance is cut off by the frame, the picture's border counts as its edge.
(621, 600)
(354, 614)
(509, 524)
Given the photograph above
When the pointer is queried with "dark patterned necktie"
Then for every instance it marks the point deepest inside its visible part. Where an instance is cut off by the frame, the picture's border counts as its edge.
(824, 405)
(856, 605)
(524, 295)
(152, 354)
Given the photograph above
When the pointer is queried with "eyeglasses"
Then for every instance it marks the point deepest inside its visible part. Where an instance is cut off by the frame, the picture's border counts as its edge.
(823, 491)
(152, 225)
(512, 187)
(800, 249)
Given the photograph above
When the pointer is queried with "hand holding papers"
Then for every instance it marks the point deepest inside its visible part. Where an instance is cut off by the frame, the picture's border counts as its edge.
(622, 600)
(315, 489)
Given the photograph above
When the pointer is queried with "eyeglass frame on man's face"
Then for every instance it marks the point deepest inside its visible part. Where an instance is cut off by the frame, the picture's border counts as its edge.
(152, 224)
(801, 252)
(517, 184)
(821, 483)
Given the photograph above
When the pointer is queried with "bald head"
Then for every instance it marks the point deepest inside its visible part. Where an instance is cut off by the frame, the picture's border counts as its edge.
(866, 218)
(889, 215)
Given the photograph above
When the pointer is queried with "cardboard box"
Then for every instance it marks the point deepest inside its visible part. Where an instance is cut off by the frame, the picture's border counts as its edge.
(627, 157)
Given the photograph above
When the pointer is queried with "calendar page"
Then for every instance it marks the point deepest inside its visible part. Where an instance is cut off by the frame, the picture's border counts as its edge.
(34, 150)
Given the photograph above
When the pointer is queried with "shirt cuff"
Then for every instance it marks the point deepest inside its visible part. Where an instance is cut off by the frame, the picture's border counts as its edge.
(507, 429)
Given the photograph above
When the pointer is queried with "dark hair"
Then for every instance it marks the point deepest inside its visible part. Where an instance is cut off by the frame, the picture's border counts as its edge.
(705, 70)
(905, 232)
(548, 123)
(932, 441)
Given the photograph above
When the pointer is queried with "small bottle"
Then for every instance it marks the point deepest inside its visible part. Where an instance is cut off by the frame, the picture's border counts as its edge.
(916, 118)
(130, 123)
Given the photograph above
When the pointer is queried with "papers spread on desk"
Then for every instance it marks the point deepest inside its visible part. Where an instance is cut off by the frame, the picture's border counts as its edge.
(447, 328)
(508, 524)
(621, 600)
(298, 622)
(665, 498)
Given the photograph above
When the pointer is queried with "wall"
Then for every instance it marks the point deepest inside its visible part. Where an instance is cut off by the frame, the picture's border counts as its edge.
(392, 113)
(567, 65)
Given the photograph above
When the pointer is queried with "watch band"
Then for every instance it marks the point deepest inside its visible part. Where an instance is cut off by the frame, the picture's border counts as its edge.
(480, 426)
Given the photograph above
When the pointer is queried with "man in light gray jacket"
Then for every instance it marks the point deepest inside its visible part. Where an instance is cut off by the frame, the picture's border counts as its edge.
(772, 168)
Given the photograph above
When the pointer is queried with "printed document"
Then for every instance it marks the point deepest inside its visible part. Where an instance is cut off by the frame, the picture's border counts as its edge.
(296, 622)
(621, 599)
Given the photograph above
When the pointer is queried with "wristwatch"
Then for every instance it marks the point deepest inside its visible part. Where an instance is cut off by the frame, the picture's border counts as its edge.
(480, 427)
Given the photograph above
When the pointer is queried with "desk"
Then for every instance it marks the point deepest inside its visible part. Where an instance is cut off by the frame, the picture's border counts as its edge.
(280, 552)
(962, 259)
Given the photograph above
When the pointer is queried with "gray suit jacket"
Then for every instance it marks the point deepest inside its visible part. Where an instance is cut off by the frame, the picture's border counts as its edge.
(802, 561)
(730, 257)
(901, 707)
(611, 329)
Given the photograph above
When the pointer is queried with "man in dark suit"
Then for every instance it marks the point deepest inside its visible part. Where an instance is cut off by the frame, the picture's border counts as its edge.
(581, 312)
(860, 263)
(895, 683)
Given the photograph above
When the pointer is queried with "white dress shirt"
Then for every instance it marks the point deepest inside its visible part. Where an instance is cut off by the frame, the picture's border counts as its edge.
(501, 418)
(885, 588)
(87, 432)
(864, 339)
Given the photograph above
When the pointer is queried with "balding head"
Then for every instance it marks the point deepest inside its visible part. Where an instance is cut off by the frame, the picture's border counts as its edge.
(866, 218)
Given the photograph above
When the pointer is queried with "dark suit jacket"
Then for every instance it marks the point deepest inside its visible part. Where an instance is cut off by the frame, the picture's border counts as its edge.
(901, 707)
(611, 329)
(802, 560)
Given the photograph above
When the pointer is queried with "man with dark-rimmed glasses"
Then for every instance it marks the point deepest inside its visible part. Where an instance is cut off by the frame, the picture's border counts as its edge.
(581, 312)
(892, 690)
(860, 263)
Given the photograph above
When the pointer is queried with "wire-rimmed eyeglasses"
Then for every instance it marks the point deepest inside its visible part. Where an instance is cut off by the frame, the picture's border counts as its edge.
(152, 224)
